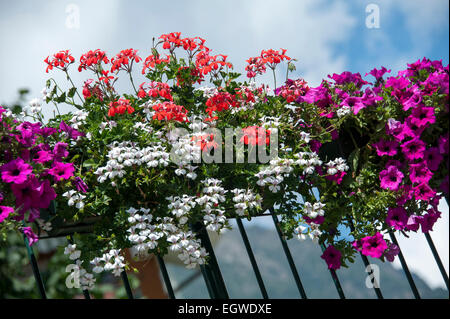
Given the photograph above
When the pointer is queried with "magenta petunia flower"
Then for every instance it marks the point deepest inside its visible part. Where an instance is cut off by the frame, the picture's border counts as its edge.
(406, 194)
(424, 192)
(318, 220)
(61, 171)
(27, 194)
(338, 177)
(419, 173)
(60, 151)
(397, 83)
(433, 158)
(46, 195)
(4, 212)
(413, 223)
(397, 218)
(413, 149)
(332, 257)
(373, 246)
(411, 129)
(42, 157)
(32, 238)
(391, 178)
(80, 185)
(428, 220)
(388, 148)
(413, 101)
(421, 116)
(378, 74)
(443, 144)
(392, 251)
(16, 171)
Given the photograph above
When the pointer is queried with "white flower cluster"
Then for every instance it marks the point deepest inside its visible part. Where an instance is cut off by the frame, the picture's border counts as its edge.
(312, 232)
(180, 207)
(146, 127)
(126, 154)
(74, 198)
(305, 137)
(109, 125)
(269, 122)
(78, 119)
(308, 160)
(314, 210)
(207, 91)
(213, 194)
(35, 106)
(45, 226)
(336, 166)
(87, 279)
(343, 111)
(111, 261)
(145, 236)
(275, 173)
(245, 200)
(147, 108)
(184, 152)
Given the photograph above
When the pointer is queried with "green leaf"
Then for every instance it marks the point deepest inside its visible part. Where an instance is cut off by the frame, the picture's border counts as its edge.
(72, 92)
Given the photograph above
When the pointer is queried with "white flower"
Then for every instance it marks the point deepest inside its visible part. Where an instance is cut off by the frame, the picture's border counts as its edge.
(72, 252)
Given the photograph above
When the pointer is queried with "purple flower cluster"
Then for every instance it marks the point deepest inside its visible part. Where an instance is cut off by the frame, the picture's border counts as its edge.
(31, 165)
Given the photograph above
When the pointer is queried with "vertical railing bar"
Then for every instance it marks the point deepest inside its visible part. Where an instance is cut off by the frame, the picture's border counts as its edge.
(335, 278)
(126, 283)
(85, 292)
(209, 282)
(35, 268)
(251, 256)
(212, 268)
(437, 258)
(166, 278)
(288, 254)
(367, 264)
(405, 267)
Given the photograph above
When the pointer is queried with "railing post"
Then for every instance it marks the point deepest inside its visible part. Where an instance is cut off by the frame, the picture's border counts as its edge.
(126, 283)
(288, 254)
(405, 267)
(35, 268)
(251, 256)
(437, 258)
(166, 278)
(211, 270)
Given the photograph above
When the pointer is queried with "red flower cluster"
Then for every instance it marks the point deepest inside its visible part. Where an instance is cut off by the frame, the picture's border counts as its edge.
(169, 111)
(173, 40)
(92, 90)
(92, 59)
(124, 60)
(255, 135)
(257, 65)
(155, 90)
(206, 63)
(152, 60)
(120, 107)
(205, 141)
(60, 61)
(292, 90)
(219, 102)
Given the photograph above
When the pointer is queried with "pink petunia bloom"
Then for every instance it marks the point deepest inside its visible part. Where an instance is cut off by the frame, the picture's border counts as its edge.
(424, 192)
(413, 223)
(31, 236)
(443, 144)
(428, 220)
(378, 74)
(411, 129)
(332, 257)
(336, 177)
(388, 148)
(46, 195)
(433, 158)
(413, 149)
(43, 156)
(421, 116)
(419, 173)
(27, 194)
(397, 218)
(413, 101)
(407, 194)
(61, 171)
(16, 171)
(353, 102)
(373, 246)
(395, 129)
(391, 178)
(318, 220)
(4, 212)
(60, 151)
(392, 251)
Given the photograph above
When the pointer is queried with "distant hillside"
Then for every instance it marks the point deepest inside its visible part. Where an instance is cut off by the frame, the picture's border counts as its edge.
(241, 283)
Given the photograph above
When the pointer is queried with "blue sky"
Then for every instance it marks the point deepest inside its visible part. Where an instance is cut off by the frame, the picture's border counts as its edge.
(325, 36)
